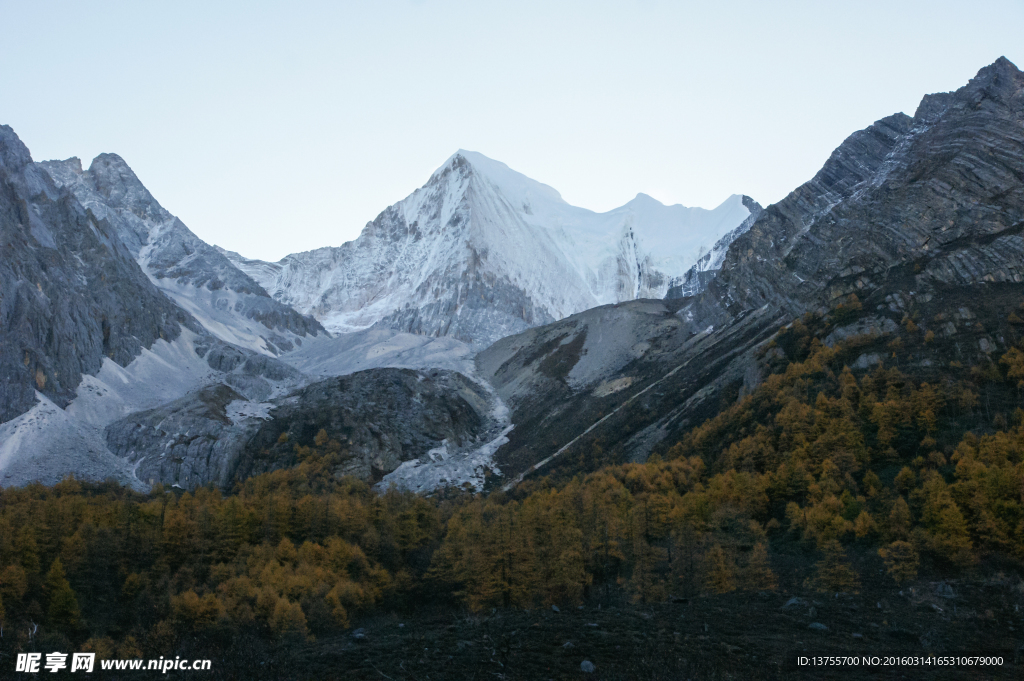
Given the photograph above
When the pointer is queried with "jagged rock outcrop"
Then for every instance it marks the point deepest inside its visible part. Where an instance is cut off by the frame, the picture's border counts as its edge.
(919, 217)
(65, 277)
(254, 375)
(942, 192)
(193, 273)
(704, 270)
(187, 442)
(381, 417)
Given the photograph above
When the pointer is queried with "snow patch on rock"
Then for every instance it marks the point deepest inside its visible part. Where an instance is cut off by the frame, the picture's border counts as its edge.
(441, 468)
(373, 348)
(242, 410)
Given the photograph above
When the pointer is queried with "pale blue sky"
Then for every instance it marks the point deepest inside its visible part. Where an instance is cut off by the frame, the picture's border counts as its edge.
(276, 127)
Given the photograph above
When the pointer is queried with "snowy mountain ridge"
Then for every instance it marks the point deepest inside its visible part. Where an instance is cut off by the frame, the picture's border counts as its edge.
(228, 303)
(478, 253)
(482, 251)
(696, 279)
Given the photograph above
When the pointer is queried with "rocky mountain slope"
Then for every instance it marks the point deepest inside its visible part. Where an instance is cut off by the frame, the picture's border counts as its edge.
(131, 349)
(481, 252)
(64, 278)
(380, 417)
(85, 336)
(697, 278)
(920, 217)
(941, 191)
(229, 303)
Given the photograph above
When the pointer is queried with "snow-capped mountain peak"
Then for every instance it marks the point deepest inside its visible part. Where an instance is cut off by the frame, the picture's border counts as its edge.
(512, 183)
(482, 251)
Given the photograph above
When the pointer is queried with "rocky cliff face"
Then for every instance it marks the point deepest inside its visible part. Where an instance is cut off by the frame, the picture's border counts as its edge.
(86, 334)
(941, 192)
(919, 217)
(697, 278)
(64, 278)
(197, 276)
(381, 417)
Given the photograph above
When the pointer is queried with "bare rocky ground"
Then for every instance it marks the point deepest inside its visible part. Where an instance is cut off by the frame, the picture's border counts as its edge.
(730, 636)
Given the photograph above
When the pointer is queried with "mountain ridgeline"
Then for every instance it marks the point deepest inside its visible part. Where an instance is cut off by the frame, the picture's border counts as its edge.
(71, 291)
(918, 217)
(618, 330)
(481, 252)
(658, 442)
(478, 253)
(178, 262)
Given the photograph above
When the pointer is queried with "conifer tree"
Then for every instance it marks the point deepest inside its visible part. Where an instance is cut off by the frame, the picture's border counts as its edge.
(515, 575)
(1013, 360)
(833, 572)
(28, 551)
(720, 574)
(334, 599)
(945, 525)
(685, 557)
(196, 612)
(63, 605)
(904, 480)
(759, 576)
(864, 525)
(13, 583)
(288, 618)
(645, 584)
(899, 519)
(901, 560)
